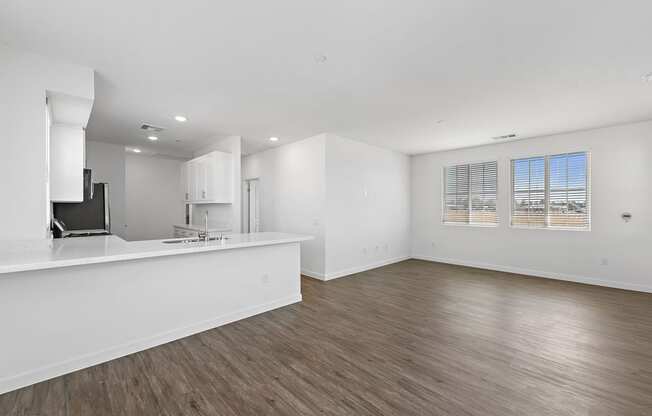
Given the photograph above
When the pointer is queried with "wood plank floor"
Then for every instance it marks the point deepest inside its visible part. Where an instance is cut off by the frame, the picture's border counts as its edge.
(413, 338)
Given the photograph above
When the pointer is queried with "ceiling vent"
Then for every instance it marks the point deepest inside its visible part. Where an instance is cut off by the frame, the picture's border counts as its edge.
(151, 128)
(505, 137)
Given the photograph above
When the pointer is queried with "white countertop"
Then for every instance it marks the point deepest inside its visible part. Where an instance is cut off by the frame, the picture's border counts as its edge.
(17, 256)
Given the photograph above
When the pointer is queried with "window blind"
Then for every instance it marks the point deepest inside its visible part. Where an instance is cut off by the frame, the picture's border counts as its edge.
(551, 191)
(470, 192)
(456, 198)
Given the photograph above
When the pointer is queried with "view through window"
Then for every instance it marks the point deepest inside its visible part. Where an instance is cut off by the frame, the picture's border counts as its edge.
(551, 191)
(470, 194)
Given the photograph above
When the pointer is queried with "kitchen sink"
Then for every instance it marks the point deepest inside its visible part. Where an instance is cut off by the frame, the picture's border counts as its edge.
(192, 240)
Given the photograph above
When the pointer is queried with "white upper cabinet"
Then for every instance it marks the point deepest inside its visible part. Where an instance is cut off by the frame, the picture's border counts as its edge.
(68, 117)
(190, 185)
(67, 154)
(208, 179)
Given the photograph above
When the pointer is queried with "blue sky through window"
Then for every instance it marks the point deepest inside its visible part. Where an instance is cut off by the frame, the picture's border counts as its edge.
(565, 171)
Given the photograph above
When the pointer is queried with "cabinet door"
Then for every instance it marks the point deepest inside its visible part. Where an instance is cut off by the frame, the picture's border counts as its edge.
(189, 182)
(210, 169)
(202, 167)
(67, 154)
(195, 179)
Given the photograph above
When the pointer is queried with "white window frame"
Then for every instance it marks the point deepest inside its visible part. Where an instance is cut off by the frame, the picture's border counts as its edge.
(589, 193)
(443, 195)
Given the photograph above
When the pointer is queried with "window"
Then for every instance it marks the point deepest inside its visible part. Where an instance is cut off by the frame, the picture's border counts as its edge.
(551, 191)
(470, 194)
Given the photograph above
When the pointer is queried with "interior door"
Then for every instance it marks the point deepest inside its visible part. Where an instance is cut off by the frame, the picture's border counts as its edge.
(253, 206)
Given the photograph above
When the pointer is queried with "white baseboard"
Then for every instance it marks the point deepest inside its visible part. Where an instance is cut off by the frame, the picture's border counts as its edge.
(54, 370)
(358, 269)
(539, 273)
(314, 275)
(352, 270)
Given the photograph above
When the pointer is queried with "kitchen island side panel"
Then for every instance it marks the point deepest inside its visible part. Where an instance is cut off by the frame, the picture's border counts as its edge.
(57, 321)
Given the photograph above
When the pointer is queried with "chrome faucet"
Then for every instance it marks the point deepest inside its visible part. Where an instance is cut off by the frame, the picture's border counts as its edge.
(204, 235)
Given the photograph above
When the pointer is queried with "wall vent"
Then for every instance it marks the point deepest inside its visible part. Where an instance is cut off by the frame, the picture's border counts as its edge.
(151, 128)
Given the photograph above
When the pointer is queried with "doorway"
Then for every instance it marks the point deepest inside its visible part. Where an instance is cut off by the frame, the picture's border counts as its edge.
(251, 199)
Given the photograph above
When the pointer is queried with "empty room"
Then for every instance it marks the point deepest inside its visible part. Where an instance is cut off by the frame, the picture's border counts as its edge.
(325, 208)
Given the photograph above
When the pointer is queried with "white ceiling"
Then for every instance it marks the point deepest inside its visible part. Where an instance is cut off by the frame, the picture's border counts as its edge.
(393, 68)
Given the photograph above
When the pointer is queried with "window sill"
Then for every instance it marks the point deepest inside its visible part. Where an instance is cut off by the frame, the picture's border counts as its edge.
(525, 227)
(463, 224)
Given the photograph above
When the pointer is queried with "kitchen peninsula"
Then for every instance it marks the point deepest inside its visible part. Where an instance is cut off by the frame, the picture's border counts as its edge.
(67, 304)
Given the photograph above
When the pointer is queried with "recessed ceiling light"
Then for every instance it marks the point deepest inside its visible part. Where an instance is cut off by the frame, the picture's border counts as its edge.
(135, 150)
(181, 119)
(321, 59)
(273, 139)
(647, 77)
(152, 138)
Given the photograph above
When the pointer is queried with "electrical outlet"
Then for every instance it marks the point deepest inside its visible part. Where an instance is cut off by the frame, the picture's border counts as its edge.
(604, 261)
(265, 278)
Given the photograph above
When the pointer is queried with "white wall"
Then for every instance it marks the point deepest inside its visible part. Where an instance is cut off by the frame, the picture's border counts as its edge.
(293, 194)
(145, 191)
(107, 161)
(24, 80)
(621, 182)
(221, 215)
(352, 197)
(367, 208)
(152, 197)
